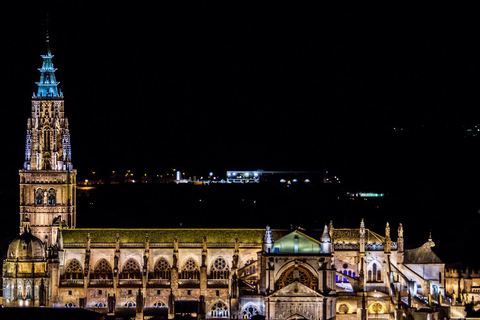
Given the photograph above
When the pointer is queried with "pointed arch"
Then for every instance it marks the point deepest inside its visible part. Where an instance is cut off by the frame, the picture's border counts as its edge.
(160, 304)
(249, 310)
(103, 270)
(297, 273)
(73, 270)
(131, 270)
(190, 270)
(374, 272)
(161, 269)
(219, 309)
(219, 269)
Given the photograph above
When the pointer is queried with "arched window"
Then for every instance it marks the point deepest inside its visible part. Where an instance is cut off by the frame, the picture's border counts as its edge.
(300, 274)
(369, 276)
(219, 310)
(103, 270)
(190, 270)
(162, 269)
(130, 304)
(39, 196)
(160, 304)
(376, 307)
(219, 269)
(343, 308)
(70, 305)
(249, 311)
(52, 197)
(73, 270)
(131, 270)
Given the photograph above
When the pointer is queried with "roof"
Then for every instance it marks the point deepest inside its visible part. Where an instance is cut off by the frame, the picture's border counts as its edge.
(167, 235)
(422, 255)
(213, 235)
(348, 235)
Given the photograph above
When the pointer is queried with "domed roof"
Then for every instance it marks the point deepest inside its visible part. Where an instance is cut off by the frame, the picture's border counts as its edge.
(26, 247)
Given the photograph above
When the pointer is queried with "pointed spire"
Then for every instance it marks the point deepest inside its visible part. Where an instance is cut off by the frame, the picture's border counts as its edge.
(48, 86)
(268, 240)
(326, 241)
(47, 37)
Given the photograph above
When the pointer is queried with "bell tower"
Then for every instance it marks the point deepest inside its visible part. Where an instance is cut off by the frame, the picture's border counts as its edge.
(47, 180)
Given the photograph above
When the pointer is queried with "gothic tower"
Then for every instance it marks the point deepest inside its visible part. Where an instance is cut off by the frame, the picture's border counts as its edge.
(47, 180)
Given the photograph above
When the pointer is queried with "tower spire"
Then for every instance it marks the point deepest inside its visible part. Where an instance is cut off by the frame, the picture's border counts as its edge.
(47, 37)
(48, 86)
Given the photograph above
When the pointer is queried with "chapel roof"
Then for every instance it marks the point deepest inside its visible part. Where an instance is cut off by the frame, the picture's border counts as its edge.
(422, 255)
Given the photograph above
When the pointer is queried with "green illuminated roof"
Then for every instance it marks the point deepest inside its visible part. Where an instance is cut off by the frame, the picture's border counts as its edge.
(296, 242)
(167, 235)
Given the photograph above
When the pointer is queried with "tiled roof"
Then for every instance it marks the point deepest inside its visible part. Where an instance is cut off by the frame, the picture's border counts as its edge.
(167, 235)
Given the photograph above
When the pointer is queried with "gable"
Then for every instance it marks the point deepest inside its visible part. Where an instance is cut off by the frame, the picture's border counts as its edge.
(296, 289)
(297, 243)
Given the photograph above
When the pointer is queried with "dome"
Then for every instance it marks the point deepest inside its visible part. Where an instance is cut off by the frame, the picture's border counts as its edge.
(26, 247)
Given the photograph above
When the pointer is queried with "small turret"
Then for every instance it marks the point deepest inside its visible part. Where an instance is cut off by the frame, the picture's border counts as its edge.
(268, 240)
(326, 241)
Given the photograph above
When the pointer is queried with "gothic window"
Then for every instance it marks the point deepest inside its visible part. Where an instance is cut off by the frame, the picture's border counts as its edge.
(160, 304)
(103, 270)
(52, 197)
(131, 270)
(299, 274)
(70, 305)
(73, 270)
(219, 310)
(162, 269)
(39, 196)
(376, 308)
(190, 270)
(249, 311)
(219, 269)
(100, 305)
(130, 305)
(375, 274)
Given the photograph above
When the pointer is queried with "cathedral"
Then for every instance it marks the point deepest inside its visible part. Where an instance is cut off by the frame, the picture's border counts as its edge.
(332, 273)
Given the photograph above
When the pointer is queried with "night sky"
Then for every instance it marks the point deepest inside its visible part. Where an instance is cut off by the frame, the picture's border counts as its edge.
(379, 94)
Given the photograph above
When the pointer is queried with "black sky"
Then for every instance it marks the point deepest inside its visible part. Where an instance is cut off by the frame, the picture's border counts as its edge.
(248, 85)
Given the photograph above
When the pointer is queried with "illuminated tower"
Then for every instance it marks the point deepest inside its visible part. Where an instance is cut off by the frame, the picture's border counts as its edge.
(47, 180)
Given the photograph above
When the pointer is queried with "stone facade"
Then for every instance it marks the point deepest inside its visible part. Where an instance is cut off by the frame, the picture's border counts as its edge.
(349, 273)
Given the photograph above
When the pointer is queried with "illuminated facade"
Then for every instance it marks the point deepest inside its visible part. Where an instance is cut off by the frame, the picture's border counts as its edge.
(47, 180)
(344, 273)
